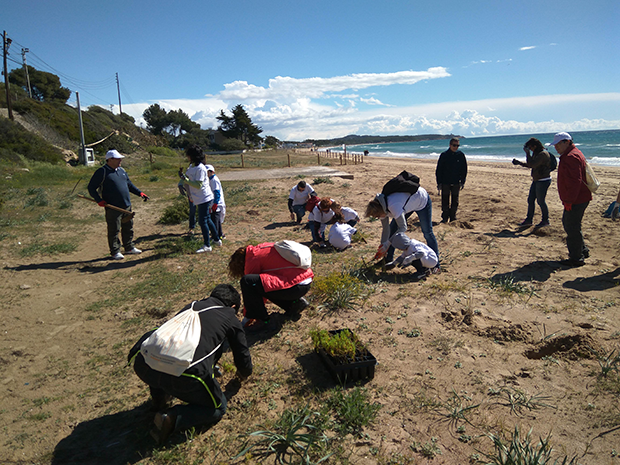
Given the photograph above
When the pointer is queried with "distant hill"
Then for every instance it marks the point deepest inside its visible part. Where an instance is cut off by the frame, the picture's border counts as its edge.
(356, 140)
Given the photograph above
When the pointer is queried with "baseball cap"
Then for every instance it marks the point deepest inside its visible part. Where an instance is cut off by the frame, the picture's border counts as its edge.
(210, 168)
(113, 154)
(560, 136)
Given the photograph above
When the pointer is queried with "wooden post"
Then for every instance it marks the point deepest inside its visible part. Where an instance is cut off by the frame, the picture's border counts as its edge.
(242, 161)
(289, 162)
(345, 154)
(318, 158)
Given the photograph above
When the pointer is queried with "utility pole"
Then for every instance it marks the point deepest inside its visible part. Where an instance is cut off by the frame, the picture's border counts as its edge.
(24, 51)
(6, 43)
(118, 88)
(83, 148)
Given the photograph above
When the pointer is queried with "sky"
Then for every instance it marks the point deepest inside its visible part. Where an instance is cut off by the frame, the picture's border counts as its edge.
(325, 69)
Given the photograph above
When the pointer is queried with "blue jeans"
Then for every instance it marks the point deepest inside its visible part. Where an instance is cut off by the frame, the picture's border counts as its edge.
(300, 211)
(206, 225)
(571, 220)
(538, 193)
(314, 229)
(426, 224)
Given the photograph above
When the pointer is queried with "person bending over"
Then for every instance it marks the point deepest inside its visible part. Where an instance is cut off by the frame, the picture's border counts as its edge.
(197, 385)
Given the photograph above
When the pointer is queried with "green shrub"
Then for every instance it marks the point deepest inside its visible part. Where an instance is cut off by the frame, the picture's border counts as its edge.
(17, 141)
(176, 213)
(343, 345)
(338, 290)
(352, 410)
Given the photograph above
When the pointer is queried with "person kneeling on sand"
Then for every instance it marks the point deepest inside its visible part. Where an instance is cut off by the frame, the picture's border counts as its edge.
(415, 253)
(265, 274)
(297, 200)
(206, 404)
(340, 233)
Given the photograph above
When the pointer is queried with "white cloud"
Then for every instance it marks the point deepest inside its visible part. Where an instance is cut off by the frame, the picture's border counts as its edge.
(374, 101)
(531, 47)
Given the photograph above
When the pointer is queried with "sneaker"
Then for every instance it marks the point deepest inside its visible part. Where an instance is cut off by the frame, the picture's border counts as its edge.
(133, 251)
(542, 224)
(525, 223)
(436, 270)
(572, 263)
(390, 265)
(298, 306)
(118, 256)
(218, 242)
(164, 427)
(204, 249)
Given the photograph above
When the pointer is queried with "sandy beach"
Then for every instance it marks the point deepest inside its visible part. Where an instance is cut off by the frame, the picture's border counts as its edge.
(473, 337)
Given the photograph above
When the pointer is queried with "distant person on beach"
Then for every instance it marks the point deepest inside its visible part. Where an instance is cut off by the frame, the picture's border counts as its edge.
(297, 200)
(539, 162)
(196, 182)
(218, 210)
(110, 184)
(575, 196)
(414, 253)
(341, 232)
(265, 274)
(197, 385)
(399, 206)
(451, 173)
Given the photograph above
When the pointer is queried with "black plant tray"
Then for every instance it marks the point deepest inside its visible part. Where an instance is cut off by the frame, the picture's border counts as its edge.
(362, 368)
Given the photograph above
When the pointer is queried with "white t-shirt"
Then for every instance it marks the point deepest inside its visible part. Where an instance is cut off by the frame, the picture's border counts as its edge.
(340, 235)
(216, 185)
(300, 197)
(199, 173)
(429, 258)
(403, 202)
(349, 214)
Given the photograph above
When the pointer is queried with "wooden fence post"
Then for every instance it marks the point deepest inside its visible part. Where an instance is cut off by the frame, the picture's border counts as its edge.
(288, 155)
(242, 161)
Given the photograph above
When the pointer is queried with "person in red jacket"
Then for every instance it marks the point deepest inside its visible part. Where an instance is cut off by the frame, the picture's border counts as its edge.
(266, 275)
(575, 196)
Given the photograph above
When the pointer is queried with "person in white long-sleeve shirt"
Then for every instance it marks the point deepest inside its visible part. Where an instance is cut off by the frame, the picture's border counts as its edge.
(415, 253)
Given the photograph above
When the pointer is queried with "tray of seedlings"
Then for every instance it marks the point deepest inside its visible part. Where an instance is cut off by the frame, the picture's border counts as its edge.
(345, 356)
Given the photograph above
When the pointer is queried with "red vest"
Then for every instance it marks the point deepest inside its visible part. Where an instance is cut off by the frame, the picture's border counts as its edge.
(275, 272)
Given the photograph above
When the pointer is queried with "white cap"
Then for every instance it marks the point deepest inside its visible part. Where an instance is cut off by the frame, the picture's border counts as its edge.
(560, 136)
(210, 168)
(113, 154)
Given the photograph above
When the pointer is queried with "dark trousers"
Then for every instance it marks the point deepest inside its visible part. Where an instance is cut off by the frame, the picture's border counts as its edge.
(538, 193)
(253, 294)
(448, 209)
(206, 403)
(192, 215)
(571, 220)
(115, 225)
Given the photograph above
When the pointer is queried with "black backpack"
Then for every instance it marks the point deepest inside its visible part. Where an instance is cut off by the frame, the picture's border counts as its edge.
(553, 162)
(404, 182)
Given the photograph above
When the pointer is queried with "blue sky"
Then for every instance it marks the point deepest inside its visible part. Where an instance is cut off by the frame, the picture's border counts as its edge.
(323, 69)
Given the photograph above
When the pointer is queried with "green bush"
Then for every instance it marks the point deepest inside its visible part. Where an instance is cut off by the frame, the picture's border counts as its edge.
(17, 141)
(176, 213)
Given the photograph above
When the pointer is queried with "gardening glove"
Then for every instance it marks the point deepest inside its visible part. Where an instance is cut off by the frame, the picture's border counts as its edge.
(103, 203)
(567, 206)
(144, 196)
(382, 251)
(292, 216)
(615, 213)
(214, 208)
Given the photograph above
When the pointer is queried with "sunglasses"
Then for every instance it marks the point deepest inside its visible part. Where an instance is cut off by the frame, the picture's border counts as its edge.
(455, 145)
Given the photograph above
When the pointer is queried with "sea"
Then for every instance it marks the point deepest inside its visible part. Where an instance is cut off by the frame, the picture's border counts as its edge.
(599, 147)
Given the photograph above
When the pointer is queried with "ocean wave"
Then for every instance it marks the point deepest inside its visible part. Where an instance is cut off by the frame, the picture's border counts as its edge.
(604, 161)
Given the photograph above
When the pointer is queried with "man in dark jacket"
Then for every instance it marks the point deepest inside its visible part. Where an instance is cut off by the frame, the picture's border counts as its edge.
(110, 184)
(206, 404)
(451, 173)
(575, 196)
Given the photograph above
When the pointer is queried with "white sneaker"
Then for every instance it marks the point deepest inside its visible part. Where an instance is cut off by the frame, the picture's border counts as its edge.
(133, 251)
(118, 256)
(218, 242)
(204, 249)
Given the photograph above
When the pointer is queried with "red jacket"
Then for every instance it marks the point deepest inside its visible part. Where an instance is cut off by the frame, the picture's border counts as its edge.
(572, 177)
(275, 272)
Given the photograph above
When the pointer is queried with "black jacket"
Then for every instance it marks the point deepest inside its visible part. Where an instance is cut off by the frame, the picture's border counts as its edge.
(217, 325)
(451, 168)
